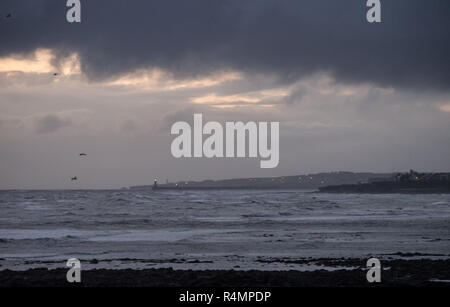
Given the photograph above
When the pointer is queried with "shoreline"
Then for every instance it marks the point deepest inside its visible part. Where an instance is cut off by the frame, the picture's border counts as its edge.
(395, 273)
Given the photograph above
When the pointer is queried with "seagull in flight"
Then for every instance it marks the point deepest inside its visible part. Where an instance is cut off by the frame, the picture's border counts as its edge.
(83, 154)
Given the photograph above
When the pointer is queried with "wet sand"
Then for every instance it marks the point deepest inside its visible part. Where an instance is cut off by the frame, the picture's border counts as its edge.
(398, 272)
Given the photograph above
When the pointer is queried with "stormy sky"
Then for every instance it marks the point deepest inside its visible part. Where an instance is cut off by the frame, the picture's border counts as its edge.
(349, 95)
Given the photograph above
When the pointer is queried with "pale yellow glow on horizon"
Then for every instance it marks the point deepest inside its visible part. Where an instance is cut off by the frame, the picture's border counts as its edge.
(230, 106)
(159, 80)
(139, 79)
(247, 98)
(41, 63)
(226, 106)
(445, 108)
(206, 82)
(283, 92)
(214, 99)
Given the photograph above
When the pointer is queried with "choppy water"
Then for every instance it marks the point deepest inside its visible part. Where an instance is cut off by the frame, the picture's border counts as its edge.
(214, 229)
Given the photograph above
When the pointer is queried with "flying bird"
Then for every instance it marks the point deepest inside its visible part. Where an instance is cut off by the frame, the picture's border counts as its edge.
(55, 73)
(83, 154)
(74, 178)
(8, 15)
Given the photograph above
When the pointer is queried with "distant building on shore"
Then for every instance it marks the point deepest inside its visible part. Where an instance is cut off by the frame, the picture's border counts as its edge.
(413, 176)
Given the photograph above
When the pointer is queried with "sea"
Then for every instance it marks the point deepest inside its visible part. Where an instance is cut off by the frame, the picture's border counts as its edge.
(216, 229)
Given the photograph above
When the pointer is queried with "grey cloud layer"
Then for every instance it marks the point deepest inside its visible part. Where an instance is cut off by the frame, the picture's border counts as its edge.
(290, 39)
(51, 123)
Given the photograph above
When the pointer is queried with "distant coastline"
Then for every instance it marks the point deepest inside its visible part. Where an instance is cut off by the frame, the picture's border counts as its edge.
(411, 182)
(407, 183)
(388, 188)
(298, 182)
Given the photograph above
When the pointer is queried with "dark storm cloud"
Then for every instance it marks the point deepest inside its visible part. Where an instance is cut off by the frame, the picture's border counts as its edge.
(290, 39)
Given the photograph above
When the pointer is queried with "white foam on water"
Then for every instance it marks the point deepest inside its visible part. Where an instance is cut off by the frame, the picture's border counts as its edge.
(22, 234)
(154, 235)
(93, 224)
(110, 235)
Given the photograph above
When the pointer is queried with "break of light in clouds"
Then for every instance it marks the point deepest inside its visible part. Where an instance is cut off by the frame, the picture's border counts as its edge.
(40, 62)
(378, 102)
(445, 107)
